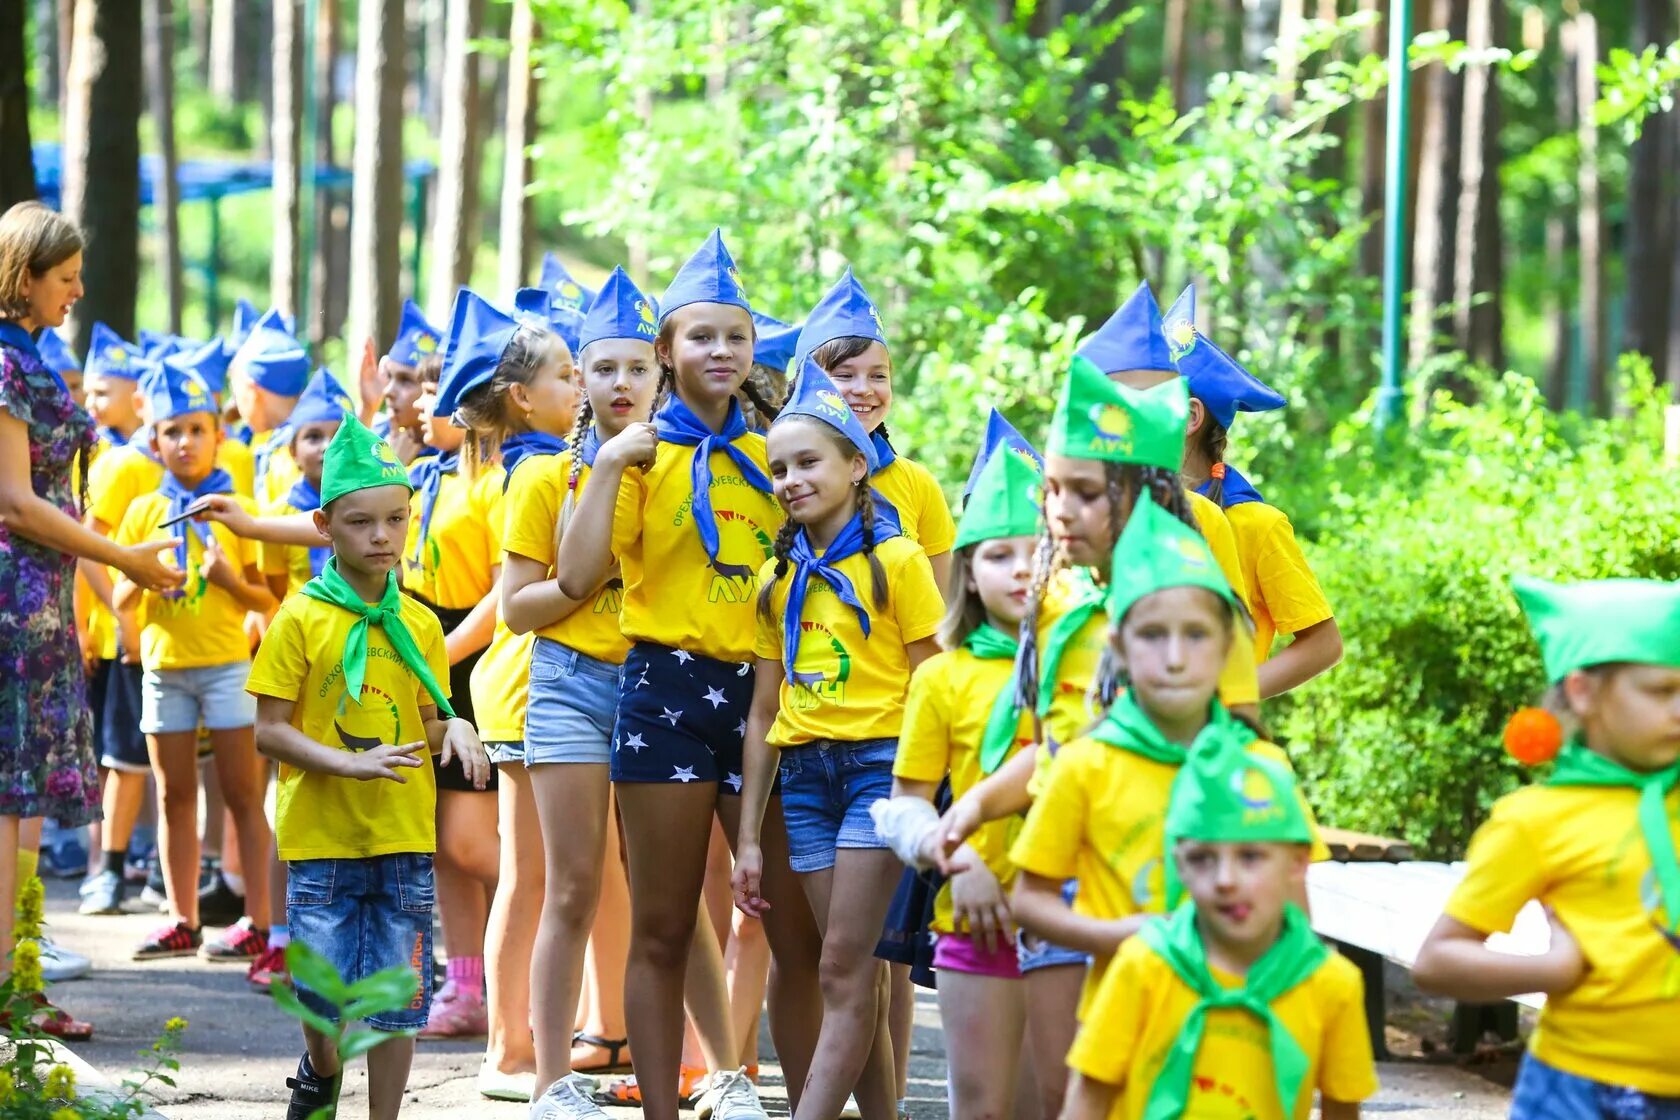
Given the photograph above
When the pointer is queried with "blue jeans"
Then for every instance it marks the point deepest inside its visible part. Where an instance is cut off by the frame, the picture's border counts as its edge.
(1545, 1092)
(827, 789)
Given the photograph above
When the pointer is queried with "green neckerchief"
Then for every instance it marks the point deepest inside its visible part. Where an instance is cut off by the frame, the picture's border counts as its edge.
(1128, 727)
(989, 643)
(1578, 766)
(1085, 601)
(1295, 955)
(331, 587)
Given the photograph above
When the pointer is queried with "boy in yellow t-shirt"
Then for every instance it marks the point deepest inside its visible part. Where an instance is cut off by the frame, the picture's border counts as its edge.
(193, 653)
(313, 423)
(1230, 1008)
(1595, 844)
(267, 375)
(350, 684)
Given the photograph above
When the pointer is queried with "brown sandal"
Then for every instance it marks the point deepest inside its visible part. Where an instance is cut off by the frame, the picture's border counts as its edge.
(616, 1061)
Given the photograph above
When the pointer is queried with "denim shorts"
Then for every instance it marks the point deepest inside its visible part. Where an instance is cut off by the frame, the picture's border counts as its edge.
(363, 916)
(827, 789)
(214, 697)
(1035, 953)
(1545, 1092)
(503, 752)
(573, 700)
(682, 717)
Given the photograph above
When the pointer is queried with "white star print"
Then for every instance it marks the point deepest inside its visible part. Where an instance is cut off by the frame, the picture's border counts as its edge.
(742, 671)
(684, 774)
(741, 728)
(643, 681)
(635, 743)
(715, 698)
(682, 655)
(733, 782)
(672, 716)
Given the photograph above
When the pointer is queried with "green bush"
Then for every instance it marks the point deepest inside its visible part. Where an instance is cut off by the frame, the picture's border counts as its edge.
(1415, 543)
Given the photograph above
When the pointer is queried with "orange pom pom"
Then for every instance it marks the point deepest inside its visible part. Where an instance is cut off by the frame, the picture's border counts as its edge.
(1533, 736)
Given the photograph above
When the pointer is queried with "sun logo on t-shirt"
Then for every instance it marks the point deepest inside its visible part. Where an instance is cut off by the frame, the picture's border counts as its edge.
(822, 666)
(742, 547)
(361, 727)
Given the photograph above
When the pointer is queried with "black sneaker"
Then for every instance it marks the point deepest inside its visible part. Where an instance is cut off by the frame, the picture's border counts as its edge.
(218, 905)
(311, 1092)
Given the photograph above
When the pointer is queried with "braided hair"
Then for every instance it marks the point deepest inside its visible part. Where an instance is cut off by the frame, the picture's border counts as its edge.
(1045, 563)
(761, 394)
(1211, 439)
(487, 409)
(580, 428)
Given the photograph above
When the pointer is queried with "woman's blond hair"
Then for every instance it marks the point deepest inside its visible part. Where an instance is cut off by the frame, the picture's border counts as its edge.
(33, 238)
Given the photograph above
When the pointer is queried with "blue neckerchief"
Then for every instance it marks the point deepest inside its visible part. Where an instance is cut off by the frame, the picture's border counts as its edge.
(517, 449)
(304, 498)
(676, 423)
(591, 445)
(243, 433)
(883, 450)
(278, 438)
(1236, 491)
(19, 339)
(426, 476)
(180, 499)
(806, 563)
(112, 437)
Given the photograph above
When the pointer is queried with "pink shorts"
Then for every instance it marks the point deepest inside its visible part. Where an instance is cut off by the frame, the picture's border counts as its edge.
(958, 952)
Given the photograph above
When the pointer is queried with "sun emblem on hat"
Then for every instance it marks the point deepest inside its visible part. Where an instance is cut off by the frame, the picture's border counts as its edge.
(1252, 789)
(832, 401)
(735, 278)
(568, 291)
(116, 355)
(1111, 421)
(426, 343)
(1190, 552)
(645, 310)
(880, 327)
(1181, 335)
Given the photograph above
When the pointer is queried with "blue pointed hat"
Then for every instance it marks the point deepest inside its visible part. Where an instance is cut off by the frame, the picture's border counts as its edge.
(814, 395)
(209, 362)
(109, 355)
(845, 311)
(562, 287)
(324, 400)
(272, 358)
(709, 276)
(1221, 383)
(56, 354)
(416, 338)
(535, 305)
(620, 310)
(172, 392)
(1000, 433)
(776, 342)
(1132, 338)
(478, 333)
(1179, 322)
(245, 316)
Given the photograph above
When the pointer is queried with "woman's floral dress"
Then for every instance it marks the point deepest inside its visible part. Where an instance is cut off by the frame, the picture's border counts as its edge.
(47, 766)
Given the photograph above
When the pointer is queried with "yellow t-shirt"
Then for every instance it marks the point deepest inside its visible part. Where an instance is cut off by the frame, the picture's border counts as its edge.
(1283, 592)
(280, 471)
(860, 693)
(318, 816)
(672, 594)
(100, 622)
(923, 514)
(236, 459)
(951, 697)
(463, 542)
(205, 625)
(501, 681)
(124, 475)
(1101, 819)
(1580, 852)
(1142, 1004)
(533, 511)
(292, 559)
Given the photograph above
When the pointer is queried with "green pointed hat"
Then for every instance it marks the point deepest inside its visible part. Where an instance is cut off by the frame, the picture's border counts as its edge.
(1097, 418)
(1601, 621)
(1226, 794)
(1156, 551)
(357, 459)
(1004, 502)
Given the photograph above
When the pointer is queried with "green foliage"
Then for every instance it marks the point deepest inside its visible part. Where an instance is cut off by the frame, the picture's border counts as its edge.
(1415, 546)
(1633, 86)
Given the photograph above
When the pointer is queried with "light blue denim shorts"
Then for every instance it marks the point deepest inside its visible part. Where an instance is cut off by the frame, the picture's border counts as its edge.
(1545, 1092)
(827, 789)
(175, 700)
(572, 704)
(1035, 953)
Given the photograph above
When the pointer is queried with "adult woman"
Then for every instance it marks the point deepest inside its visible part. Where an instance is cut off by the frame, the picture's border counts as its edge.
(46, 749)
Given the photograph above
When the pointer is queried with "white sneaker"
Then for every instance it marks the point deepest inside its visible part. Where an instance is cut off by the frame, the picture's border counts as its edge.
(499, 1086)
(730, 1096)
(851, 1111)
(570, 1098)
(59, 963)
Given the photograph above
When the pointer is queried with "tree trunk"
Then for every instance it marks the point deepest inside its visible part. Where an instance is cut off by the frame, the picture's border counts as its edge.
(331, 262)
(1671, 372)
(376, 205)
(1590, 220)
(516, 166)
(1177, 52)
(224, 49)
(166, 192)
(102, 161)
(1292, 16)
(17, 159)
(1560, 236)
(46, 49)
(258, 81)
(454, 238)
(288, 123)
(1373, 149)
(1260, 23)
(1650, 207)
(198, 32)
(1437, 190)
(1478, 268)
(66, 37)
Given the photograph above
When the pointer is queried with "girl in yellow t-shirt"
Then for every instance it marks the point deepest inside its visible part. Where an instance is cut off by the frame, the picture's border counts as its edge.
(845, 336)
(511, 382)
(1594, 843)
(846, 611)
(683, 505)
(961, 722)
(1283, 594)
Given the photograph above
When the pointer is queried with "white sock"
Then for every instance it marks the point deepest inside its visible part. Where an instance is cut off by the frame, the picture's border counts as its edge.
(236, 883)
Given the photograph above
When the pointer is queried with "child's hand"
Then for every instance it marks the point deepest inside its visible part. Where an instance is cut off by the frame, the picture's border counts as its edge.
(384, 761)
(460, 741)
(960, 821)
(977, 899)
(367, 374)
(225, 509)
(1565, 964)
(128, 631)
(633, 446)
(746, 879)
(217, 569)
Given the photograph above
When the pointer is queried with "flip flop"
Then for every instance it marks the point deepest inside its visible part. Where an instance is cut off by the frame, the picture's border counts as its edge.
(616, 1061)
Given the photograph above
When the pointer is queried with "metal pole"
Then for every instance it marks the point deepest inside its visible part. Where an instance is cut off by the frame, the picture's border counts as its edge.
(212, 289)
(1391, 396)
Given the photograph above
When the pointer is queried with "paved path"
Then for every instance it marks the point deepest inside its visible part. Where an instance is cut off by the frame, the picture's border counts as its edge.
(239, 1049)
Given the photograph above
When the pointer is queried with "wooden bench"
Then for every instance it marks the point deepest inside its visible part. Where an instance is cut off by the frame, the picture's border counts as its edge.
(1378, 904)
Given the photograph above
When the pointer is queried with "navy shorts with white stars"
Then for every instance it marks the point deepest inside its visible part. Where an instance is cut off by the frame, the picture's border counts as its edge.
(682, 717)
